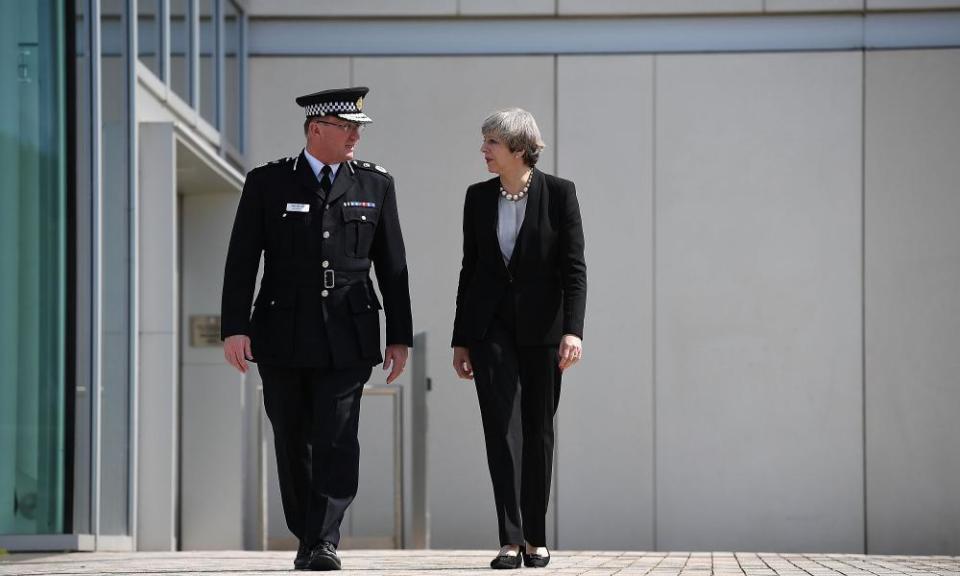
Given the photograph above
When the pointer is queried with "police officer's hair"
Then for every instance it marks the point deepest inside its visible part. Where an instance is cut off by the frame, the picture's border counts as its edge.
(518, 130)
(307, 122)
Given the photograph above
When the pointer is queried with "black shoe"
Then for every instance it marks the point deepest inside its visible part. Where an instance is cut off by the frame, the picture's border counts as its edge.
(535, 560)
(505, 562)
(303, 557)
(324, 557)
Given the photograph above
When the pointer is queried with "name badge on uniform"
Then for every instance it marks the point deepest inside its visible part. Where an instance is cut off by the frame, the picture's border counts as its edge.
(291, 207)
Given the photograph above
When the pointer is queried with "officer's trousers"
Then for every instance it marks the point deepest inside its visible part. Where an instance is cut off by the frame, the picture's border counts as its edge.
(518, 388)
(315, 413)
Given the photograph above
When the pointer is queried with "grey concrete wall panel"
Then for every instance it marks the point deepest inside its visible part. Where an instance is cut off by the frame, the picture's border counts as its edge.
(813, 5)
(274, 119)
(157, 472)
(912, 309)
(759, 436)
(605, 425)
(602, 35)
(341, 8)
(512, 8)
(214, 403)
(370, 520)
(658, 6)
(427, 114)
(911, 4)
(930, 30)
(211, 505)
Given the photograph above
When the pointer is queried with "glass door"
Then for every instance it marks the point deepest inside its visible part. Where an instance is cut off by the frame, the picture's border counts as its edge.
(32, 267)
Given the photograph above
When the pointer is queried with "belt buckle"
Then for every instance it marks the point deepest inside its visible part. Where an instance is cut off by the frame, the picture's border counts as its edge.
(328, 279)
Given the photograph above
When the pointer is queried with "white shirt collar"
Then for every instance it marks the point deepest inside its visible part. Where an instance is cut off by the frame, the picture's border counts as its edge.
(317, 165)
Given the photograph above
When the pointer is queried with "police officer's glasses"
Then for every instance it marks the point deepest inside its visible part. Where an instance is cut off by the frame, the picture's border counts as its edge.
(347, 128)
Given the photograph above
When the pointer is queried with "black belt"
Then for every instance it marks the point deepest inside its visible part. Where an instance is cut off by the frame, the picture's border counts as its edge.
(340, 278)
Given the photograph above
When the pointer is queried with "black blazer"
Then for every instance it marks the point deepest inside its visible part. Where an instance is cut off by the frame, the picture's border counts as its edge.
(547, 271)
(316, 305)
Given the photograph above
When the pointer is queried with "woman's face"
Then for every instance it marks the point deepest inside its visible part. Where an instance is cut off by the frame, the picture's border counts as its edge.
(498, 155)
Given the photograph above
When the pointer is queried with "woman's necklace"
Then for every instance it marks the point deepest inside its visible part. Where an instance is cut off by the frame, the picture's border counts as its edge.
(519, 195)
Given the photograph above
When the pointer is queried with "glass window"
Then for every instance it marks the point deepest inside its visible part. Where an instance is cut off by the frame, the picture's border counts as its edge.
(181, 35)
(232, 76)
(209, 25)
(149, 34)
(32, 257)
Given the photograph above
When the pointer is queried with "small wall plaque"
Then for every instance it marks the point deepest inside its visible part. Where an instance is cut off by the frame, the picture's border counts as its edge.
(205, 331)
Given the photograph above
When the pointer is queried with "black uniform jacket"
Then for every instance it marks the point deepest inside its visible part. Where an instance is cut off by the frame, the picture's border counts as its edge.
(547, 271)
(316, 305)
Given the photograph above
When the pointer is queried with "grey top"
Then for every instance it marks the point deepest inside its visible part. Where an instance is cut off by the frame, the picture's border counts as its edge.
(509, 219)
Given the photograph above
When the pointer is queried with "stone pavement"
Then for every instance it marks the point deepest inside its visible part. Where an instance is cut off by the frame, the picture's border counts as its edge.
(452, 562)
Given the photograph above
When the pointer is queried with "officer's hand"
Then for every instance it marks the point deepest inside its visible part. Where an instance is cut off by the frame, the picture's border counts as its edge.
(571, 348)
(395, 360)
(461, 362)
(236, 349)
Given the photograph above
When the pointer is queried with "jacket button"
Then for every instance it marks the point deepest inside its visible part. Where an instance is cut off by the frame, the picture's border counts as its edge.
(363, 217)
(284, 215)
(326, 234)
(325, 263)
(325, 293)
(272, 302)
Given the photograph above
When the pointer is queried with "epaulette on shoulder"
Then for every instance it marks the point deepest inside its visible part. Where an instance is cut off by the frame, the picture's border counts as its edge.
(363, 165)
(278, 162)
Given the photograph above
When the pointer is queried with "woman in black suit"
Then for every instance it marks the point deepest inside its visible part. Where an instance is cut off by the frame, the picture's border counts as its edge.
(519, 322)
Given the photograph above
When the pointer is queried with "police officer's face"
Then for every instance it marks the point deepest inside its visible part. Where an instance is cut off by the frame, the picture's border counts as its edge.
(498, 155)
(333, 139)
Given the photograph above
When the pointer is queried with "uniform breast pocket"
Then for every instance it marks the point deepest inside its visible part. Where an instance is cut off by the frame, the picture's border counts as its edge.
(282, 232)
(360, 225)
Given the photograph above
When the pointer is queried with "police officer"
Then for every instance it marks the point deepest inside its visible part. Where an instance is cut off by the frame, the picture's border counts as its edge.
(320, 219)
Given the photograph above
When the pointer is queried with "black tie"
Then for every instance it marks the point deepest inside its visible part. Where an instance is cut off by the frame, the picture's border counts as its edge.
(325, 183)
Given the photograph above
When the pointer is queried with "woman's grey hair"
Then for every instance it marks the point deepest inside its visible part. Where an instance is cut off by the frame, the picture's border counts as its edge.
(518, 130)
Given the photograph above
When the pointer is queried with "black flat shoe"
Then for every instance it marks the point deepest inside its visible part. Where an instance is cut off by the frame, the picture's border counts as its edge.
(535, 560)
(505, 562)
(324, 557)
(303, 557)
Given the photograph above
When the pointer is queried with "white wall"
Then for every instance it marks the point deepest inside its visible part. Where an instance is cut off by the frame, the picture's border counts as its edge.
(605, 423)
(758, 367)
(912, 305)
(720, 403)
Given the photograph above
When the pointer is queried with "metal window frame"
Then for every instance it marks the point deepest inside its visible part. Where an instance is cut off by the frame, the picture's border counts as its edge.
(133, 150)
(94, 50)
(218, 18)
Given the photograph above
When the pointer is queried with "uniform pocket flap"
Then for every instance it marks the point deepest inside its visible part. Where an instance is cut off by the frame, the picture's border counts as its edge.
(269, 299)
(360, 300)
(360, 214)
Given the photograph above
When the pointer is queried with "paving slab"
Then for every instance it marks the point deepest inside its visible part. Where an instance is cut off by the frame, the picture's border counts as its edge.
(475, 562)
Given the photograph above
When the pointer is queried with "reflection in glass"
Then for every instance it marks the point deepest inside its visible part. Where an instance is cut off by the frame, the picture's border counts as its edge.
(148, 34)
(32, 258)
(180, 38)
(231, 92)
(208, 58)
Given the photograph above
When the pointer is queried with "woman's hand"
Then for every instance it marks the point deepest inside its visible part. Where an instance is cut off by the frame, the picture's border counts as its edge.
(571, 348)
(461, 362)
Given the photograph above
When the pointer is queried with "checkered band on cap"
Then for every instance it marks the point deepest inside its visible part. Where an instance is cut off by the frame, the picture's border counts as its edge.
(325, 108)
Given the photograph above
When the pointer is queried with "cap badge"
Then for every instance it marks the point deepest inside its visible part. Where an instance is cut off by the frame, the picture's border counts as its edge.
(360, 104)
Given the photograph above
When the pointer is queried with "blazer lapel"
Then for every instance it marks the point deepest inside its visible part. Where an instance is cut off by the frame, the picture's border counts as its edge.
(308, 180)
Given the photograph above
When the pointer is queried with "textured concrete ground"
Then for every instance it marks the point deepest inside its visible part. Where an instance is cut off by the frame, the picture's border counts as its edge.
(452, 562)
